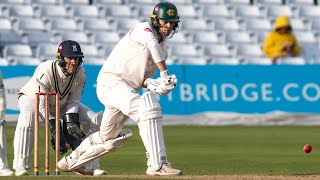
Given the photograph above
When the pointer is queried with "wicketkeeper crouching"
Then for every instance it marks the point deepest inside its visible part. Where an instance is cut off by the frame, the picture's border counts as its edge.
(66, 77)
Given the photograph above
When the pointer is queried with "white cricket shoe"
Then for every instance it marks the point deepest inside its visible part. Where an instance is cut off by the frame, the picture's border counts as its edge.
(21, 172)
(63, 164)
(165, 170)
(99, 172)
(6, 172)
(83, 171)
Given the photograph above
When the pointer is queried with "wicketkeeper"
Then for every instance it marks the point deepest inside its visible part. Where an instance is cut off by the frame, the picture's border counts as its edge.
(130, 67)
(4, 167)
(67, 77)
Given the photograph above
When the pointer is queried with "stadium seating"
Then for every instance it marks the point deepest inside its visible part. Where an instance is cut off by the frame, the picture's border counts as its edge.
(9, 37)
(34, 38)
(224, 61)
(100, 24)
(237, 2)
(64, 24)
(45, 2)
(217, 11)
(103, 37)
(280, 10)
(249, 11)
(5, 24)
(219, 50)
(210, 31)
(21, 11)
(107, 2)
(256, 60)
(301, 2)
(54, 11)
(241, 37)
(193, 25)
(209, 37)
(291, 60)
(206, 2)
(188, 11)
(4, 62)
(28, 24)
(15, 53)
(257, 24)
(192, 61)
(13, 2)
(87, 11)
(46, 51)
(75, 2)
(310, 11)
(186, 50)
(250, 50)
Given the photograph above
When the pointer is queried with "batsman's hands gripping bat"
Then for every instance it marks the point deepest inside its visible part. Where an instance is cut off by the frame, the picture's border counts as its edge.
(162, 85)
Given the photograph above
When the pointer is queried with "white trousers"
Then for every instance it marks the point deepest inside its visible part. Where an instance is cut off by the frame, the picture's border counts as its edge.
(3, 147)
(121, 101)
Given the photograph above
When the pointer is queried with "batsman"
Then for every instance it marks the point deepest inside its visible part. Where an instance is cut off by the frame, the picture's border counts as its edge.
(130, 67)
(66, 77)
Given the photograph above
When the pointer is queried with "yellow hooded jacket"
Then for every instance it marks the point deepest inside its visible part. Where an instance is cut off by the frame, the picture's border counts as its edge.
(275, 41)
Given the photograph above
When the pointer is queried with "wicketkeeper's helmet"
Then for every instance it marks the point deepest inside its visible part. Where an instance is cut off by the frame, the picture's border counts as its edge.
(69, 48)
(165, 11)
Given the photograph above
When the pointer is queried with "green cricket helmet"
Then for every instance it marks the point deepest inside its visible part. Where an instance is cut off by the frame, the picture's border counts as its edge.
(165, 11)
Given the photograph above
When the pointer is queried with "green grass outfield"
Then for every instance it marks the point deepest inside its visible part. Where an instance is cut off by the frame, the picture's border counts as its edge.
(215, 150)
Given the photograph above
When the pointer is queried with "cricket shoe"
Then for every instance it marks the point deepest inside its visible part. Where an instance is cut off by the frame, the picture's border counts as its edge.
(64, 165)
(83, 171)
(165, 170)
(99, 172)
(21, 172)
(6, 172)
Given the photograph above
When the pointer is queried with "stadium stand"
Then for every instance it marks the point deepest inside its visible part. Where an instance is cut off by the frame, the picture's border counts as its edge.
(248, 11)
(45, 2)
(210, 32)
(53, 11)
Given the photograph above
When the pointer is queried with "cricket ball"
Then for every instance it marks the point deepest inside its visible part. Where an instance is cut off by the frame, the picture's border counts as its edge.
(307, 148)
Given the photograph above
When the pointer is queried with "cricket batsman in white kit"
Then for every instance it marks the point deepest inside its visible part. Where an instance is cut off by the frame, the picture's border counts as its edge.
(130, 67)
(4, 167)
(67, 77)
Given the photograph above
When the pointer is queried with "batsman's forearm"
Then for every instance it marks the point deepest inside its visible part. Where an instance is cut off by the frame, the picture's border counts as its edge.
(162, 65)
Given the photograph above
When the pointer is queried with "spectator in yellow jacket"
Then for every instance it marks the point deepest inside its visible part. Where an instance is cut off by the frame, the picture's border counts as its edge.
(281, 42)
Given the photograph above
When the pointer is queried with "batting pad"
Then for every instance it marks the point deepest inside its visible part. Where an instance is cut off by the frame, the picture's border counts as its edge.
(149, 107)
(150, 126)
(152, 137)
(3, 149)
(92, 150)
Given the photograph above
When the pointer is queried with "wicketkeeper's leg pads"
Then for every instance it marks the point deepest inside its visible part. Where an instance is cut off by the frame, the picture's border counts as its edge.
(150, 126)
(23, 140)
(93, 147)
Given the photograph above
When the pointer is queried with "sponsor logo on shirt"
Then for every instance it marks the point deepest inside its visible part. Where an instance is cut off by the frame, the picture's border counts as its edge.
(148, 30)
